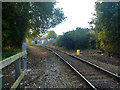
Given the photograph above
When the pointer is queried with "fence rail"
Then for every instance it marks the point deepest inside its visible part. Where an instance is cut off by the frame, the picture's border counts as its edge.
(15, 85)
(16, 59)
(11, 59)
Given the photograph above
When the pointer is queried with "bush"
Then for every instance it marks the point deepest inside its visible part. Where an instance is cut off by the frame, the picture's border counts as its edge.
(76, 39)
(7, 54)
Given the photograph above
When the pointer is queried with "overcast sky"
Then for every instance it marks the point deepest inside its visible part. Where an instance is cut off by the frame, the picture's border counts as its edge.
(78, 13)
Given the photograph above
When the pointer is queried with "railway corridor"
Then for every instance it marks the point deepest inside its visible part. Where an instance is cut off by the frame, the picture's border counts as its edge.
(45, 70)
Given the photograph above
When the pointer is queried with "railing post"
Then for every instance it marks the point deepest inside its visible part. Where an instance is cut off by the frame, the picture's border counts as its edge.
(24, 58)
(17, 68)
(1, 81)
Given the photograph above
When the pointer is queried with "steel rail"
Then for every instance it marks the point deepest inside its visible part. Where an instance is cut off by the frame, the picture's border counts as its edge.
(114, 76)
(96, 66)
(89, 83)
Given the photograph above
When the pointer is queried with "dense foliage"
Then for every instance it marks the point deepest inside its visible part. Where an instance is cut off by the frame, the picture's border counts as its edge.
(23, 20)
(14, 23)
(44, 16)
(107, 24)
(51, 34)
(76, 39)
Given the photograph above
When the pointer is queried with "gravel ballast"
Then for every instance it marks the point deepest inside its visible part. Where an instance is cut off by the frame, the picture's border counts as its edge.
(45, 70)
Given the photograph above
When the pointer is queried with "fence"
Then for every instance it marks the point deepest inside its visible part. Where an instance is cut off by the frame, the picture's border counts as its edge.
(15, 59)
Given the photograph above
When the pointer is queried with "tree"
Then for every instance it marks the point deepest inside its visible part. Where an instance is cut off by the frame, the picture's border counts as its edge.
(22, 20)
(76, 39)
(15, 18)
(51, 34)
(44, 16)
(106, 26)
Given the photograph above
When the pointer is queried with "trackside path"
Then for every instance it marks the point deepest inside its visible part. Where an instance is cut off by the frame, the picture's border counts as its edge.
(45, 70)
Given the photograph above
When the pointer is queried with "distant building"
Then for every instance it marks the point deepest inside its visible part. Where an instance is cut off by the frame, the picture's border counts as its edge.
(52, 39)
(38, 42)
(44, 42)
(32, 42)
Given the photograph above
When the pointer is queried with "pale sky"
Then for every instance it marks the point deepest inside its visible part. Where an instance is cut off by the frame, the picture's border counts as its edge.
(78, 13)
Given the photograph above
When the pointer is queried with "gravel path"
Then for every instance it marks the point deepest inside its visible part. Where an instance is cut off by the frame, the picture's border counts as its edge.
(45, 70)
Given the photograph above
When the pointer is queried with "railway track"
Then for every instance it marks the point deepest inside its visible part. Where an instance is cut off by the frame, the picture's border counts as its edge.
(95, 76)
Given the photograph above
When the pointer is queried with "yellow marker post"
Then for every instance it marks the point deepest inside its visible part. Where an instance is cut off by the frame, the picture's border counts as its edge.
(78, 52)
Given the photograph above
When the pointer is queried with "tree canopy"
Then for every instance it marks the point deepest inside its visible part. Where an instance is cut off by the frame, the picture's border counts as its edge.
(51, 34)
(107, 26)
(15, 18)
(44, 16)
(22, 20)
(75, 39)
